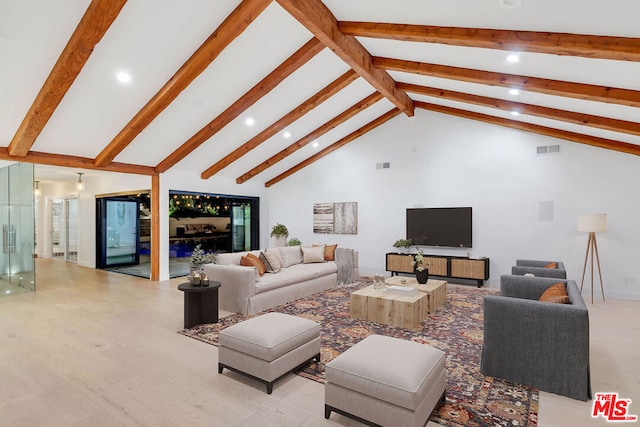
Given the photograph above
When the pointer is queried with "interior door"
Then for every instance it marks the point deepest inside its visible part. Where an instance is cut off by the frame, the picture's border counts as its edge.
(57, 229)
(118, 239)
(71, 230)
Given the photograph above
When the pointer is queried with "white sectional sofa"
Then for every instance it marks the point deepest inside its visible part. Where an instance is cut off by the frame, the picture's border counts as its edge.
(244, 291)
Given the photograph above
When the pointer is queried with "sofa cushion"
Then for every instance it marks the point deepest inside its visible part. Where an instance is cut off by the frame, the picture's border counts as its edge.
(330, 252)
(250, 260)
(271, 261)
(290, 255)
(311, 254)
(556, 293)
(295, 274)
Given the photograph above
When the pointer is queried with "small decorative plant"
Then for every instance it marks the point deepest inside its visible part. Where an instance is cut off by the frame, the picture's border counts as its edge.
(403, 243)
(418, 261)
(294, 241)
(279, 231)
(200, 257)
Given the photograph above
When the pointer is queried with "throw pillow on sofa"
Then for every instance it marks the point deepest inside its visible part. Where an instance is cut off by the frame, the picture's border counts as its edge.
(311, 254)
(253, 261)
(329, 252)
(556, 293)
(271, 260)
(291, 255)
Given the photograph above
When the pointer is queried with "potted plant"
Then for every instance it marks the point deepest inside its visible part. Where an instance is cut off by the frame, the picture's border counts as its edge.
(403, 243)
(197, 260)
(294, 241)
(279, 232)
(420, 267)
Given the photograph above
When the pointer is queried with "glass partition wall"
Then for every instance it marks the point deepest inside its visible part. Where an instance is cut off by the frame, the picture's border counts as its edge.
(17, 217)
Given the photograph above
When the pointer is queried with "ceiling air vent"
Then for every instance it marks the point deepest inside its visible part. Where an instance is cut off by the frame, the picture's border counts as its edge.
(548, 149)
(385, 165)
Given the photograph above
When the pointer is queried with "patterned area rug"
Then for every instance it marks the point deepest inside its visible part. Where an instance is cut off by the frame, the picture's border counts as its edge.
(456, 328)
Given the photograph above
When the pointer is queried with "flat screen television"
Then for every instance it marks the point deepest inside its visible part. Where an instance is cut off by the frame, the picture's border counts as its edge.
(450, 227)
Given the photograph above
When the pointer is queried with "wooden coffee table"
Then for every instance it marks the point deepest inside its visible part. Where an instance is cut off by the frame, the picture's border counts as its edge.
(389, 308)
(435, 289)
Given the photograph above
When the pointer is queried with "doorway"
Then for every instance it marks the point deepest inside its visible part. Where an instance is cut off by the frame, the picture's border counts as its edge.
(215, 222)
(117, 225)
(63, 221)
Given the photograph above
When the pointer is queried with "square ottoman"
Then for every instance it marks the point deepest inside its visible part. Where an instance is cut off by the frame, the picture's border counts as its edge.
(269, 346)
(386, 381)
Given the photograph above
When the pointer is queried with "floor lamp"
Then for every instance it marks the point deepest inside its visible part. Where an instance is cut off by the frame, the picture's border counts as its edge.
(592, 224)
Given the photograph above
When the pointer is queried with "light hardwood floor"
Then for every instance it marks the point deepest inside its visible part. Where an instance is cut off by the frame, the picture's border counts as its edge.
(93, 348)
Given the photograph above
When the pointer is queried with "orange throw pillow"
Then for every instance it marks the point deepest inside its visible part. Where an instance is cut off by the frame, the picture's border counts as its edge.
(551, 265)
(556, 293)
(329, 252)
(253, 261)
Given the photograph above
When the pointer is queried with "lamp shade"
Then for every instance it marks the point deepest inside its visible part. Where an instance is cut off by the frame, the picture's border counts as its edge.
(592, 222)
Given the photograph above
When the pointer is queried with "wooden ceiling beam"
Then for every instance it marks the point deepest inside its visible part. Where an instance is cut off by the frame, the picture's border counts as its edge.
(75, 162)
(599, 122)
(318, 19)
(315, 134)
(534, 84)
(302, 109)
(594, 141)
(295, 61)
(333, 147)
(92, 27)
(588, 46)
(229, 30)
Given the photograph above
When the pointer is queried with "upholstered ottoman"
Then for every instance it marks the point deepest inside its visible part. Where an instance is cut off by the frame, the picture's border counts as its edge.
(386, 381)
(269, 346)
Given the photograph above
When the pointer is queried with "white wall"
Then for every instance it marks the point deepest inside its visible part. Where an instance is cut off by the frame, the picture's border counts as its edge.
(441, 161)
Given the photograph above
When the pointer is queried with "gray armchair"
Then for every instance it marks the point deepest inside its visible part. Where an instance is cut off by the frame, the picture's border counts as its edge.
(536, 267)
(540, 344)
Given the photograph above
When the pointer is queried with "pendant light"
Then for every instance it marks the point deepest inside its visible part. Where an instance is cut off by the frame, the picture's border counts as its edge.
(80, 183)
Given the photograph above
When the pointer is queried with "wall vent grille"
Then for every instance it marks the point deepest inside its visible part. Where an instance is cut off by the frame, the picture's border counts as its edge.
(542, 150)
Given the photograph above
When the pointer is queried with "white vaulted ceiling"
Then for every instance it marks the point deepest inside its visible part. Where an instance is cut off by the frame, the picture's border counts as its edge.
(152, 40)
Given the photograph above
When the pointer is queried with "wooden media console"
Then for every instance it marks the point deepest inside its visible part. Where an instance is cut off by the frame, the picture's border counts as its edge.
(448, 266)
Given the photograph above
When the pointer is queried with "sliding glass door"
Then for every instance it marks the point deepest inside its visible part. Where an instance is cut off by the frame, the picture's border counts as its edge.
(118, 239)
(241, 228)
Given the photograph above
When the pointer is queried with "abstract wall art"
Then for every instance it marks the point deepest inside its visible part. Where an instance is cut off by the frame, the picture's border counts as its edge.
(335, 218)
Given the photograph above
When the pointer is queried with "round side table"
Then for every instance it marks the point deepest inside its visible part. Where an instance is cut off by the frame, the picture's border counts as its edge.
(200, 303)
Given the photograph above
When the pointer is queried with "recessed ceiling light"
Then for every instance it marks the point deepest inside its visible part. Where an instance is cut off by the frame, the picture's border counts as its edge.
(515, 113)
(249, 121)
(315, 145)
(287, 135)
(513, 58)
(123, 77)
(514, 92)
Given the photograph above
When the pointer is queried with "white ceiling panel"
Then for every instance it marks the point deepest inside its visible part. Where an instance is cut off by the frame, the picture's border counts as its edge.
(152, 40)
